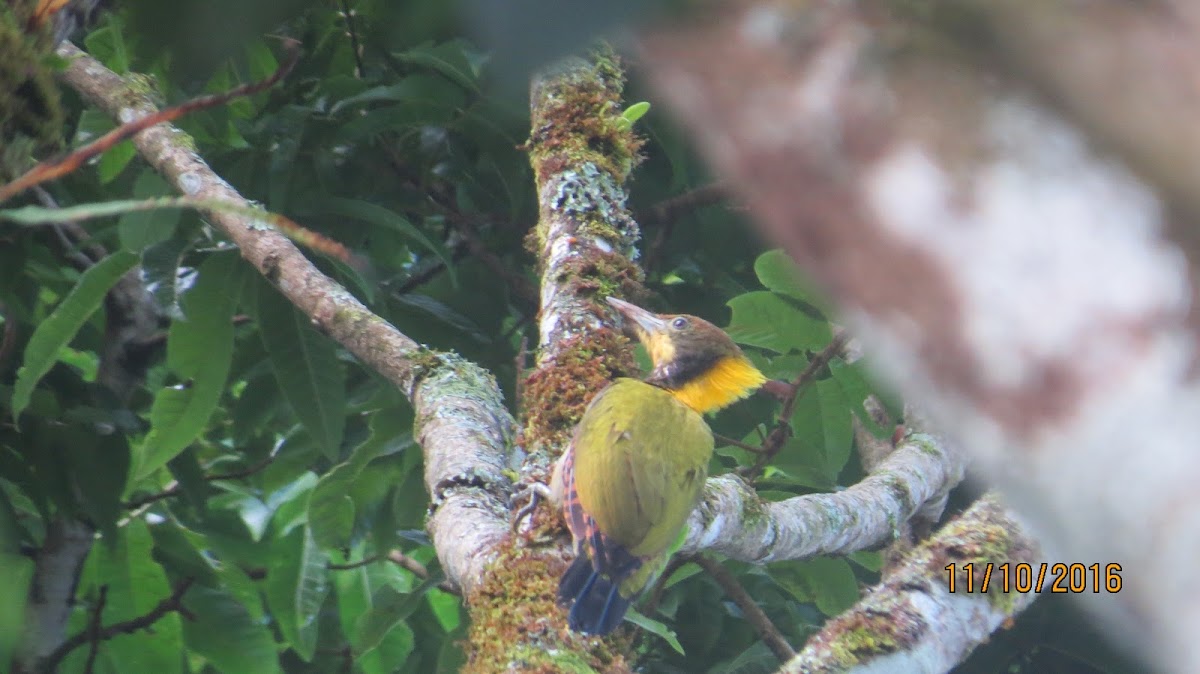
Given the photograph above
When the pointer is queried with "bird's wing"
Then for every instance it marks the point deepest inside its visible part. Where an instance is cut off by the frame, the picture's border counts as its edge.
(640, 460)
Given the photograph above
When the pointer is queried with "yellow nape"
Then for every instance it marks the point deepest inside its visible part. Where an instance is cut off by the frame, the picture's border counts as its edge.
(729, 380)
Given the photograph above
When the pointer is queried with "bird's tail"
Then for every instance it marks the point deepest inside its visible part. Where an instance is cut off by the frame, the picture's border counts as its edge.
(598, 605)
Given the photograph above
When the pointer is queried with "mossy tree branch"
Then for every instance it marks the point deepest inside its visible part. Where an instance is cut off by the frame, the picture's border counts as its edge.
(913, 621)
(461, 422)
(585, 241)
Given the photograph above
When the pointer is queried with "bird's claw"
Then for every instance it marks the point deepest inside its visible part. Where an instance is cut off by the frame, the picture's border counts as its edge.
(534, 492)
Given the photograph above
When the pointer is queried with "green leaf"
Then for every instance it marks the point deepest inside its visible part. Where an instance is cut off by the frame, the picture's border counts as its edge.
(452, 59)
(825, 581)
(99, 467)
(421, 88)
(160, 271)
(16, 572)
(871, 560)
(633, 113)
(855, 388)
(656, 628)
(378, 216)
(141, 229)
(53, 334)
(114, 161)
(136, 584)
(777, 272)
(836, 425)
(757, 659)
(767, 320)
(226, 635)
(297, 582)
(331, 506)
(107, 44)
(388, 612)
(307, 369)
(199, 352)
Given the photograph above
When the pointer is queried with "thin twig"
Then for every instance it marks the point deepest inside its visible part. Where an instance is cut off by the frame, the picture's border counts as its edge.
(758, 619)
(521, 286)
(419, 570)
(457, 252)
(57, 168)
(668, 212)
(737, 443)
(172, 604)
(671, 209)
(94, 630)
(779, 435)
(352, 33)
(354, 565)
(176, 489)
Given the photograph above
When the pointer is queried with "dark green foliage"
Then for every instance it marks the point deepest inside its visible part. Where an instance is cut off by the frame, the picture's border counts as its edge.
(255, 456)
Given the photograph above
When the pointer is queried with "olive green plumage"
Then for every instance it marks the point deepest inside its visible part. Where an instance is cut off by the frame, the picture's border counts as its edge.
(636, 466)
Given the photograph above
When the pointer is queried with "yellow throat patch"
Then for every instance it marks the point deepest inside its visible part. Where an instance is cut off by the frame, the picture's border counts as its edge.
(728, 381)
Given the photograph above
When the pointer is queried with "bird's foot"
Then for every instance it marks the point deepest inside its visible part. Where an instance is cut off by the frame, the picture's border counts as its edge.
(534, 491)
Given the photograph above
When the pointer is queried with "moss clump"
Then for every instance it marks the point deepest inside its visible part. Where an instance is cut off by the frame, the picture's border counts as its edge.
(859, 636)
(600, 274)
(576, 119)
(516, 624)
(556, 396)
(979, 542)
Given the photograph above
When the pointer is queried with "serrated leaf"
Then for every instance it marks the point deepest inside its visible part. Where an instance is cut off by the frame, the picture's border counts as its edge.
(306, 366)
(53, 334)
(226, 635)
(199, 352)
(297, 582)
(767, 320)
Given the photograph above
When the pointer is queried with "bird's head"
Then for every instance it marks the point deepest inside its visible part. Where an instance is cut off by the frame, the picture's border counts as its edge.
(693, 359)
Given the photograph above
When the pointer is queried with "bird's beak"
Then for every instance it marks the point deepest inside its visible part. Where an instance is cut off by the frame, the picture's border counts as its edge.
(645, 322)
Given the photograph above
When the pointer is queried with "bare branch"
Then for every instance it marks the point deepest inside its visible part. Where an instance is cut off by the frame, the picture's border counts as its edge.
(172, 604)
(758, 619)
(734, 521)
(914, 620)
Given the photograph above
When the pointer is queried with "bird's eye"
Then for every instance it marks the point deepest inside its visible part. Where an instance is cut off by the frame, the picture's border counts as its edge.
(679, 323)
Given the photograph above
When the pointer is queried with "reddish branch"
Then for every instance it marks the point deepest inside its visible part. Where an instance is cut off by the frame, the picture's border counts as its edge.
(57, 168)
